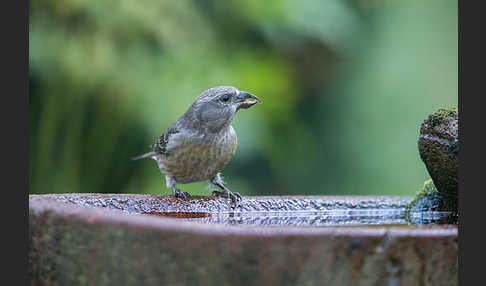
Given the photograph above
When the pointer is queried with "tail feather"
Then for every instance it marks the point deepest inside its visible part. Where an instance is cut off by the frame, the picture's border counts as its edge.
(146, 155)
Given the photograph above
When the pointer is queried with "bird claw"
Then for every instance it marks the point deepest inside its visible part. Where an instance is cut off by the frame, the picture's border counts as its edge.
(181, 194)
(235, 197)
(217, 193)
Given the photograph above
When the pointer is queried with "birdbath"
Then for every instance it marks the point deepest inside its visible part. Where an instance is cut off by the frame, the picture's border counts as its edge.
(128, 239)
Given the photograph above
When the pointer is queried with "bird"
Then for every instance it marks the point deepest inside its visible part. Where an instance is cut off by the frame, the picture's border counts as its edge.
(201, 142)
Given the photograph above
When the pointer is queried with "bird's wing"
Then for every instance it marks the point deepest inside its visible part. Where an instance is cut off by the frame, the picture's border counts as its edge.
(160, 146)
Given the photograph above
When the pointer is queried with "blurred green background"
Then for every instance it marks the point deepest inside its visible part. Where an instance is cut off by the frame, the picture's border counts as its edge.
(345, 86)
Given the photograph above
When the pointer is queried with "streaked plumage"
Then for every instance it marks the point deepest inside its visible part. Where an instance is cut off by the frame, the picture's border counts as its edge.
(198, 145)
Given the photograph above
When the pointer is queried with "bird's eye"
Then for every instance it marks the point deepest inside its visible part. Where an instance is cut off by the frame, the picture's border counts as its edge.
(225, 98)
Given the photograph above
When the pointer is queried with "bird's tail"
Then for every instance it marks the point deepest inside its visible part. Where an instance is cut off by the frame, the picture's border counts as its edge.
(146, 155)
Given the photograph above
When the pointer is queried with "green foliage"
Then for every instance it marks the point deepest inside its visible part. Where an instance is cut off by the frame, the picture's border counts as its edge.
(345, 86)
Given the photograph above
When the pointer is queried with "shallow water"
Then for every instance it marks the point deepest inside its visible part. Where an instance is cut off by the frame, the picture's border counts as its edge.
(349, 217)
(312, 211)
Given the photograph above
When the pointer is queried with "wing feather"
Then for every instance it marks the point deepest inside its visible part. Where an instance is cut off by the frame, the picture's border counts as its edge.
(160, 146)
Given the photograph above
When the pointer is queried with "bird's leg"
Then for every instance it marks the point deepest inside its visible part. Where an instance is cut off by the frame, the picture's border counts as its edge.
(225, 193)
(170, 183)
(180, 194)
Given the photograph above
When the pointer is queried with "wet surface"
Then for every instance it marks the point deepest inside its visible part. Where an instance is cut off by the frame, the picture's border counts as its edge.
(328, 240)
(187, 215)
(317, 219)
(311, 211)
(433, 218)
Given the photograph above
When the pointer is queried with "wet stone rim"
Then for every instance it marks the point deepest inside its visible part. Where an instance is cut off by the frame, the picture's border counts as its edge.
(109, 208)
(135, 203)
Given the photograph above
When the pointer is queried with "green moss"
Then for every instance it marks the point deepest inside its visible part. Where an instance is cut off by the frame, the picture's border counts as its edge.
(441, 117)
(429, 199)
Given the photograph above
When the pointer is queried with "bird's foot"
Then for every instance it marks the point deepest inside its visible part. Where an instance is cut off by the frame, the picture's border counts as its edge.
(180, 194)
(235, 197)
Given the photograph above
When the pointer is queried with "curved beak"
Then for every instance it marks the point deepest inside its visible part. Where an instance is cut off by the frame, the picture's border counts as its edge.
(247, 99)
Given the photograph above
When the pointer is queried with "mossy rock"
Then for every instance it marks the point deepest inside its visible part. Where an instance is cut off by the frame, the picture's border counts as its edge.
(429, 199)
(438, 148)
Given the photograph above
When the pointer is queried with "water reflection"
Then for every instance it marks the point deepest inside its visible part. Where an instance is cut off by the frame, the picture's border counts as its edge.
(316, 219)
(433, 218)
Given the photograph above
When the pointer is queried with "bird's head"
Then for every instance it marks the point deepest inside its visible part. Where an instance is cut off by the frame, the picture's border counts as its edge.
(215, 108)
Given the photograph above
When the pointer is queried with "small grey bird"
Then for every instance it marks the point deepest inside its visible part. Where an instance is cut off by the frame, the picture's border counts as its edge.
(198, 145)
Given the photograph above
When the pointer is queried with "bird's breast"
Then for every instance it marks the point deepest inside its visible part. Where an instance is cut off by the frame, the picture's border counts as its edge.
(191, 160)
